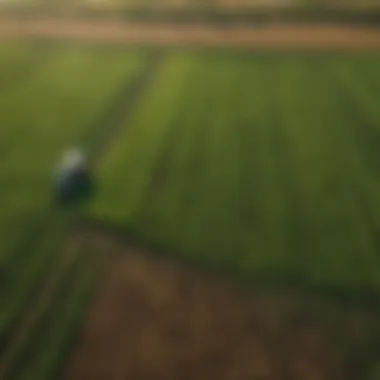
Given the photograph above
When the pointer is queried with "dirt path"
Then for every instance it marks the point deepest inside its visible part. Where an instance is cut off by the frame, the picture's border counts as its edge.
(302, 37)
(154, 319)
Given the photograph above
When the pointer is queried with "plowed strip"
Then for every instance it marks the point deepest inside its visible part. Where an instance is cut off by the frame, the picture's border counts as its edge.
(286, 36)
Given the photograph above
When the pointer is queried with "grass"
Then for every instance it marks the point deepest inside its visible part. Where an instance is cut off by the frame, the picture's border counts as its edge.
(259, 163)
(58, 105)
(41, 356)
(17, 61)
(53, 107)
(265, 165)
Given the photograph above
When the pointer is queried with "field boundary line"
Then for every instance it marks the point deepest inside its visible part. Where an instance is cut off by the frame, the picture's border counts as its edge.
(133, 238)
(117, 249)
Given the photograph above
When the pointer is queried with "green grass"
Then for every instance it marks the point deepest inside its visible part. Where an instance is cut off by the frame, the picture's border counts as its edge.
(48, 344)
(265, 164)
(17, 61)
(42, 118)
(52, 109)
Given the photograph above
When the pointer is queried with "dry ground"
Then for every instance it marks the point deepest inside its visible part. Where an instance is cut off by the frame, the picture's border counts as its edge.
(273, 36)
(154, 319)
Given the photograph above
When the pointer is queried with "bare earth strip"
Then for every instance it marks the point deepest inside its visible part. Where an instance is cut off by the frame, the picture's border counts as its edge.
(280, 36)
(154, 319)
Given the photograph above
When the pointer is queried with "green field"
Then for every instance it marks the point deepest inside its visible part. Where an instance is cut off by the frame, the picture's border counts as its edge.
(268, 164)
(265, 165)
(56, 103)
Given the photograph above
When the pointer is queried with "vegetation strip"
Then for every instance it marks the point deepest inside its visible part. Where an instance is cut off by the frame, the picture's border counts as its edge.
(31, 254)
(107, 127)
(69, 300)
(364, 138)
(120, 105)
(296, 231)
(41, 303)
(54, 122)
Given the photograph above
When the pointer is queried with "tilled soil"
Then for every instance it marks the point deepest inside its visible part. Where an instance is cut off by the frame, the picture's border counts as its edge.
(272, 36)
(154, 319)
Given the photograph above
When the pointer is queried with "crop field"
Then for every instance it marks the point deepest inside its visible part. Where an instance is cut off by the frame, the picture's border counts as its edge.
(265, 164)
(52, 106)
(260, 165)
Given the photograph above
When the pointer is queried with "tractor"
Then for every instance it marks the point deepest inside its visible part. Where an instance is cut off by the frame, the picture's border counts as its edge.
(72, 178)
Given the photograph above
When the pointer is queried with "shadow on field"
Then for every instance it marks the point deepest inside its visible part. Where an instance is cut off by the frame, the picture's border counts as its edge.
(78, 194)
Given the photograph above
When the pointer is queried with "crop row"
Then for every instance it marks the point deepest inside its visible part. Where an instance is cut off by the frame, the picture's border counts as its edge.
(252, 162)
(60, 104)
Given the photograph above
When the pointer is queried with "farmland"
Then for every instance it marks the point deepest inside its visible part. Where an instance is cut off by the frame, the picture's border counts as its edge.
(234, 159)
(262, 166)
(61, 98)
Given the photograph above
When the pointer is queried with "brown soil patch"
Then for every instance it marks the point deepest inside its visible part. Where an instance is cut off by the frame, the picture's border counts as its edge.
(156, 320)
(285, 36)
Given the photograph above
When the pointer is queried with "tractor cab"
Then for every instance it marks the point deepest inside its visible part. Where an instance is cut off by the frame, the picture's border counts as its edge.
(72, 177)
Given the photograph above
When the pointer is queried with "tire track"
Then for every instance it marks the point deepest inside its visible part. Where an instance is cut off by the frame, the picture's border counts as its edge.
(39, 307)
(297, 233)
(84, 263)
(364, 133)
(102, 134)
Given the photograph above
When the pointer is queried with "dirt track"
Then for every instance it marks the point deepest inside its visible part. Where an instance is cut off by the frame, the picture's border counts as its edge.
(157, 320)
(303, 37)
